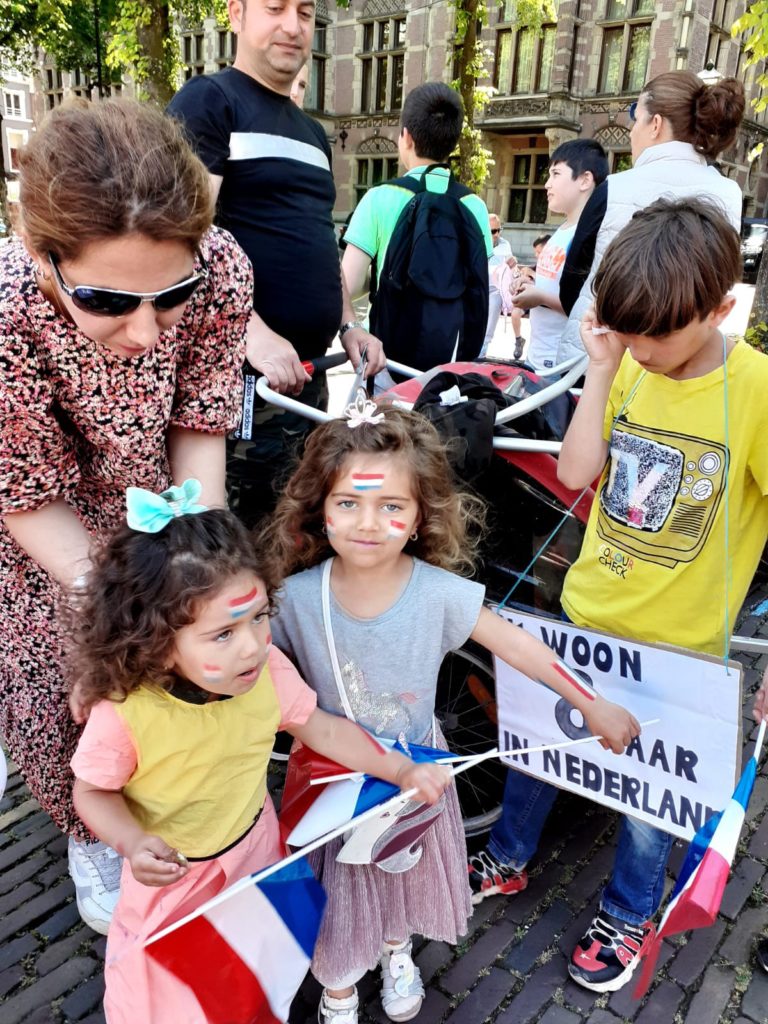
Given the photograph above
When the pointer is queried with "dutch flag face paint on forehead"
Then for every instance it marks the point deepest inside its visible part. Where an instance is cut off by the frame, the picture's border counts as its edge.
(367, 481)
(240, 606)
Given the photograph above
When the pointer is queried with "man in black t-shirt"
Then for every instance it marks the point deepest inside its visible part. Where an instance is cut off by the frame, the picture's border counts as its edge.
(270, 168)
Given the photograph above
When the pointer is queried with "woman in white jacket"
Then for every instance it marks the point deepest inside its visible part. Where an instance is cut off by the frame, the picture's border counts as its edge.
(680, 125)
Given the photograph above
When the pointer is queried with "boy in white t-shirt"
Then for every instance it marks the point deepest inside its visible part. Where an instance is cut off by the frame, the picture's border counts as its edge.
(575, 169)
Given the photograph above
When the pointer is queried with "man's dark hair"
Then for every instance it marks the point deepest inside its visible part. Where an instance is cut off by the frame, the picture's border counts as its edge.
(541, 240)
(582, 155)
(672, 264)
(433, 114)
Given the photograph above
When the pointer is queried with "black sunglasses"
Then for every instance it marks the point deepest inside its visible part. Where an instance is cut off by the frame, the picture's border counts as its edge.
(495, 231)
(108, 302)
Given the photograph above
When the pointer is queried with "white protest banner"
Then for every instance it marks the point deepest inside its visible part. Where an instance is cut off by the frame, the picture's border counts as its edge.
(677, 772)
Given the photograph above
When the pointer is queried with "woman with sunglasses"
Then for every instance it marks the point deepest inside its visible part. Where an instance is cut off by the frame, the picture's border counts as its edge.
(679, 126)
(122, 315)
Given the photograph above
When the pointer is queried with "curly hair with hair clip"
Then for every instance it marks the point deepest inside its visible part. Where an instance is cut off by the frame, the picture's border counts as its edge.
(451, 519)
(142, 589)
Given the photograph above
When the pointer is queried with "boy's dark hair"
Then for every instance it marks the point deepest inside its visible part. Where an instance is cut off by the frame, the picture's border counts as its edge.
(143, 588)
(541, 240)
(672, 264)
(433, 114)
(582, 155)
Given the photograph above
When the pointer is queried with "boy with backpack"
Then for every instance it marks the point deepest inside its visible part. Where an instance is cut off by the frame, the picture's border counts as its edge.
(427, 240)
(576, 168)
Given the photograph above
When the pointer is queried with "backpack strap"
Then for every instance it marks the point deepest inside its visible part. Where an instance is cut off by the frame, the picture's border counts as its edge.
(419, 184)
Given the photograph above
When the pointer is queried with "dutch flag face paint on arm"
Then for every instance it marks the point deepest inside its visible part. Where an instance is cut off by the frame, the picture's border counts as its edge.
(367, 481)
(570, 677)
(240, 606)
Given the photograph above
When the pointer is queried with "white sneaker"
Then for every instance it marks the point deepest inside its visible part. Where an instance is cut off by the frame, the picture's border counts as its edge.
(95, 869)
(337, 1011)
(402, 990)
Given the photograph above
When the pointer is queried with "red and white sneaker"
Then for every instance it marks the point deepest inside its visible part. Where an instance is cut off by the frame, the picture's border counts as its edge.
(606, 957)
(488, 876)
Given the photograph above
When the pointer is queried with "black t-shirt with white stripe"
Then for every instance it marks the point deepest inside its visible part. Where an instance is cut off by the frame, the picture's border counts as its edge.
(276, 198)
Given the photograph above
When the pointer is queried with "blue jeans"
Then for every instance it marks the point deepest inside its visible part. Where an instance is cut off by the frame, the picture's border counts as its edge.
(636, 886)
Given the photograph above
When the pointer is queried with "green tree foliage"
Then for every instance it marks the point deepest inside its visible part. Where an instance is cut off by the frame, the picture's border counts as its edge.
(753, 26)
(471, 58)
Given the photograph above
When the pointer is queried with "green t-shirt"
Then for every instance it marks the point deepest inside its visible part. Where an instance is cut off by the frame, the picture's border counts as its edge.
(377, 213)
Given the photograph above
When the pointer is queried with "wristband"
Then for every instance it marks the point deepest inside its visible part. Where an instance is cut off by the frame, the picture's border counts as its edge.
(349, 326)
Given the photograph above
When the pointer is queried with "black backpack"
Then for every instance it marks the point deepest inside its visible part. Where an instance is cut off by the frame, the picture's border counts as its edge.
(433, 286)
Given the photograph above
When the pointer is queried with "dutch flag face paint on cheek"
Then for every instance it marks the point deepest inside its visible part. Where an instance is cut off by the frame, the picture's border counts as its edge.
(240, 606)
(330, 529)
(212, 673)
(367, 481)
(397, 530)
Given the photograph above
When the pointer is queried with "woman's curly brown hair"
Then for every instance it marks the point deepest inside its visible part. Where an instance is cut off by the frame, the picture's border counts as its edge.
(142, 589)
(451, 519)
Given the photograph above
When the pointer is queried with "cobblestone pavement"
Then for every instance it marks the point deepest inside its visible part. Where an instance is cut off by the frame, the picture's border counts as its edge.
(510, 968)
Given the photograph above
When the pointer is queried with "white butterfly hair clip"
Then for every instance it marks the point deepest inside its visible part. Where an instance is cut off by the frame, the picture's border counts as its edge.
(362, 410)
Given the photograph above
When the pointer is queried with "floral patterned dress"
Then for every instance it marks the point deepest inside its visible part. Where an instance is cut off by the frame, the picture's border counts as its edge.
(82, 423)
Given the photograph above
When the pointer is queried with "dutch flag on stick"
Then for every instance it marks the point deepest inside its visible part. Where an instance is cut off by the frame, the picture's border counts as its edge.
(245, 953)
(696, 898)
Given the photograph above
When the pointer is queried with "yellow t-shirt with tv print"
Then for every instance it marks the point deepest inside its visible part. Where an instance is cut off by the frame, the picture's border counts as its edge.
(653, 563)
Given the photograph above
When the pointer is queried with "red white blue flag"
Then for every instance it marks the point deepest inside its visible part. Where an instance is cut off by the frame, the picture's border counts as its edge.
(309, 811)
(245, 956)
(697, 896)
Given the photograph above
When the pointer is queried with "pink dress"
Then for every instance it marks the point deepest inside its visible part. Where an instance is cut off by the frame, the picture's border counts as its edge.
(139, 989)
(81, 423)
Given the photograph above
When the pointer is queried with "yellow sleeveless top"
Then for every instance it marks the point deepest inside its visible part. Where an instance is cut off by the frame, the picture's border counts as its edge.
(201, 776)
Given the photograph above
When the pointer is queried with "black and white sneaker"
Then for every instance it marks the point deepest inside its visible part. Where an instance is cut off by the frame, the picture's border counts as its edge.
(606, 957)
(488, 876)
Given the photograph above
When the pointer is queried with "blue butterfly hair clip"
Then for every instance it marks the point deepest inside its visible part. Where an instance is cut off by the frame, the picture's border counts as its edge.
(149, 512)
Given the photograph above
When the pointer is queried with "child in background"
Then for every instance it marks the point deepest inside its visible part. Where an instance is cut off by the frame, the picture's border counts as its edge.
(655, 397)
(372, 516)
(575, 169)
(173, 654)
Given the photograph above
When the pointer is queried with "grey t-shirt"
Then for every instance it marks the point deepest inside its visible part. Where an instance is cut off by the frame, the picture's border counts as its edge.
(390, 663)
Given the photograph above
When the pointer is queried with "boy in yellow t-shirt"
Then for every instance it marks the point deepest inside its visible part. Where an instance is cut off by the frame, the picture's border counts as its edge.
(670, 410)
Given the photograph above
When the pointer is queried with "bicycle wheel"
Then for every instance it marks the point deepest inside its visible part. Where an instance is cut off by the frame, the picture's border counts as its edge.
(466, 710)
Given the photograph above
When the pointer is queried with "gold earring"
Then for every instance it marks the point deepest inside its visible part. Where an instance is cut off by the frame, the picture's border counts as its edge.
(414, 535)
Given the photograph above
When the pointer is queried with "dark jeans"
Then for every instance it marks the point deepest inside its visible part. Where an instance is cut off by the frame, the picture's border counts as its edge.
(257, 469)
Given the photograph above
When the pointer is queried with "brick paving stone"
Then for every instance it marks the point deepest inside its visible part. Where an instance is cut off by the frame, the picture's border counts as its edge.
(693, 958)
(31, 824)
(16, 852)
(13, 899)
(583, 842)
(432, 958)
(485, 998)
(10, 879)
(738, 946)
(9, 979)
(591, 877)
(559, 1015)
(42, 1015)
(462, 975)
(16, 814)
(604, 1017)
(84, 999)
(755, 1002)
(623, 1002)
(662, 1004)
(62, 950)
(12, 952)
(535, 994)
(524, 904)
(581, 999)
(759, 798)
(58, 869)
(62, 921)
(758, 844)
(484, 911)
(36, 908)
(576, 929)
(539, 937)
(708, 1004)
(18, 1007)
(99, 945)
(745, 877)
(98, 1018)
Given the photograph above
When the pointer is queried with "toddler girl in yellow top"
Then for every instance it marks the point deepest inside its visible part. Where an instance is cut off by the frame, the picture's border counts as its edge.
(173, 655)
